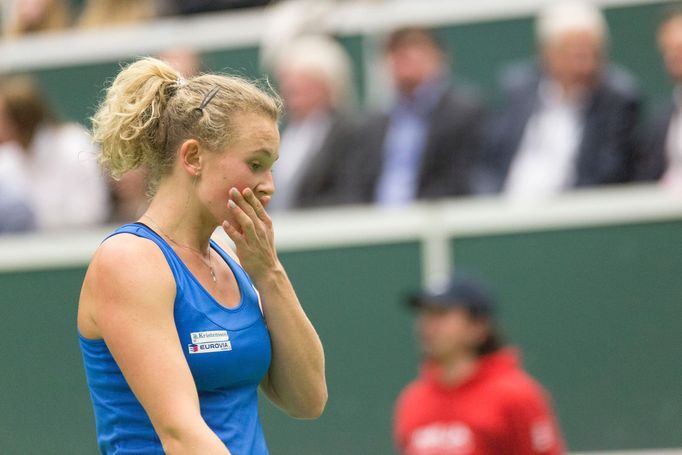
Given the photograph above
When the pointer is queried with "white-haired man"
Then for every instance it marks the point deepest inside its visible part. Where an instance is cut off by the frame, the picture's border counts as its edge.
(314, 74)
(567, 120)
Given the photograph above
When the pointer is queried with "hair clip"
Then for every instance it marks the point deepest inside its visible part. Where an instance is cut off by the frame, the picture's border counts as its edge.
(207, 99)
(181, 82)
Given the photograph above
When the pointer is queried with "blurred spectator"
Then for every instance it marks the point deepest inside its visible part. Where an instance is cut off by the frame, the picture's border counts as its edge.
(30, 16)
(288, 19)
(568, 120)
(425, 146)
(103, 13)
(185, 60)
(129, 195)
(314, 75)
(661, 156)
(15, 213)
(472, 396)
(53, 164)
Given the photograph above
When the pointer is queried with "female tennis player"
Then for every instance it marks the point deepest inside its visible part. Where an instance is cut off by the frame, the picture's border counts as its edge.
(177, 331)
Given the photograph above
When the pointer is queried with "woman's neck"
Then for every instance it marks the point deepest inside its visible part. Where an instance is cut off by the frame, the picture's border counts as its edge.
(178, 216)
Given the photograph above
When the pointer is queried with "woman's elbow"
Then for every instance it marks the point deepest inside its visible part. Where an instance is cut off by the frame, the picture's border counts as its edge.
(314, 406)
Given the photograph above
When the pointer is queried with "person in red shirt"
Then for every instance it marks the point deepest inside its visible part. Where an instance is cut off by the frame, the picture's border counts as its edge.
(472, 396)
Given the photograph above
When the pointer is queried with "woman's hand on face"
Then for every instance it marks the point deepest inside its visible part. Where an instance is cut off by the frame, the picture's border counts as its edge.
(253, 235)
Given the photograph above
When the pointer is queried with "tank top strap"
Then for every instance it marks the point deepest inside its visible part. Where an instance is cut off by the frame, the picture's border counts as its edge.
(144, 231)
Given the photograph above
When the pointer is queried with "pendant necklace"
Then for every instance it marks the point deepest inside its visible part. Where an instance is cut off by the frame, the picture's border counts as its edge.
(209, 264)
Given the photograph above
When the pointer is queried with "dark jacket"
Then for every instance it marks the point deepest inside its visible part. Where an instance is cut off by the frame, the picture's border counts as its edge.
(608, 143)
(323, 181)
(451, 151)
(651, 161)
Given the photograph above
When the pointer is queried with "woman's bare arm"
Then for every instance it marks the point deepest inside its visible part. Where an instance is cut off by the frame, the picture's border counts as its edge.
(128, 295)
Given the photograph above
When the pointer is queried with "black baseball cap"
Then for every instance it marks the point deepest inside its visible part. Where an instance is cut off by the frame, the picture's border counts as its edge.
(461, 290)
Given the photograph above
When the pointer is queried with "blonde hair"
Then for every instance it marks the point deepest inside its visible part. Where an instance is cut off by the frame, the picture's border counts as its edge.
(149, 110)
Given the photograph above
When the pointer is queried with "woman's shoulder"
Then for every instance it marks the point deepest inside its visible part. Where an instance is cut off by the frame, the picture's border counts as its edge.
(126, 272)
(128, 255)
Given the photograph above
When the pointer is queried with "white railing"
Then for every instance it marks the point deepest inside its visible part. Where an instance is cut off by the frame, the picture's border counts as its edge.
(432, 224)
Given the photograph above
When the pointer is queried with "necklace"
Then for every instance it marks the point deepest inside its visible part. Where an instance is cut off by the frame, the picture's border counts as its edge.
(199, 253)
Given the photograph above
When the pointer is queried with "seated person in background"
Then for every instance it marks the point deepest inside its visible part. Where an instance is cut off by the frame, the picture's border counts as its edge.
(568, 120)
(15, 213)
(661, 155)
(104, 13)
(472, 396)
(52, 164)
(129, 198)
(427, 142)
(31, 16)
(314, 75)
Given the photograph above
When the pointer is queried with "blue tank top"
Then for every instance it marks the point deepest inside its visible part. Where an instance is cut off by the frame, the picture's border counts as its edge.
(228, 351)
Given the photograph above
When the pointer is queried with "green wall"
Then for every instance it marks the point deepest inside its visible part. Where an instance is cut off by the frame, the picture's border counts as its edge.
(44, 403)
(479, 52)
(595, 311)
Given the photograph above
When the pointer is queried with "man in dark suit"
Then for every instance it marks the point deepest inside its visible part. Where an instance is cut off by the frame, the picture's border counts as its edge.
(427, 142)
(314, 75)
(660, 157)
(566, 121)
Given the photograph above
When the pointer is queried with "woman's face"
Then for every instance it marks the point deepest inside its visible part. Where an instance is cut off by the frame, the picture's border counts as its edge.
(245, 163)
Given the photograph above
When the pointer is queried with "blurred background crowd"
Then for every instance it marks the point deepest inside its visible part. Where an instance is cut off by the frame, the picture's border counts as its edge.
(568, 117)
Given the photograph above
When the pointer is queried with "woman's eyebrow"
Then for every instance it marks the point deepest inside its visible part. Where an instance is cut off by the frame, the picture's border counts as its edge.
(274, 156)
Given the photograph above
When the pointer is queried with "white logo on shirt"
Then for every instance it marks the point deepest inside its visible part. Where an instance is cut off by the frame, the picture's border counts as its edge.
(441, 438)
(213, 335)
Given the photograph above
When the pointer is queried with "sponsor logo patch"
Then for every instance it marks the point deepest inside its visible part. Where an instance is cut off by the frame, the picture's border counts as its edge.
(212, 335)
(205, 348)
(209, 341)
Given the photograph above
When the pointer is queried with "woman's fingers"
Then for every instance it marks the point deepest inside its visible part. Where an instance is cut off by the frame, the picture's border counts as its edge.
(246, 222)
(243, 204)
(257, 206)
